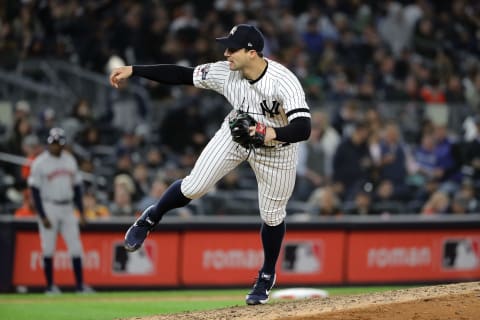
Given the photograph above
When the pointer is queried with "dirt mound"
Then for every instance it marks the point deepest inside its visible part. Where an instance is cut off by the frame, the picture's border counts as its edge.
(460, 301)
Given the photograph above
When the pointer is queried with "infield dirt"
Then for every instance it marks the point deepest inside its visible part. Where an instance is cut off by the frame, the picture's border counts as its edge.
(460, 301)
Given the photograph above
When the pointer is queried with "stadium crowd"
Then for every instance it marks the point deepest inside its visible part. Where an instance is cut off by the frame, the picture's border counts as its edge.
(384, 79)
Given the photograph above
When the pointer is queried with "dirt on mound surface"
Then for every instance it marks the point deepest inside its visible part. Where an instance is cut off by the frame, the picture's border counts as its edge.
(460, 301)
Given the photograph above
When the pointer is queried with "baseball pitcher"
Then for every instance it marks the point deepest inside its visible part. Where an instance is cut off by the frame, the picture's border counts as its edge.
(269, 117)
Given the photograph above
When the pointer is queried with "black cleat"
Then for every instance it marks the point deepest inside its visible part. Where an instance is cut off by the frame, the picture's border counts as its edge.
(261, 289)
(139, 231)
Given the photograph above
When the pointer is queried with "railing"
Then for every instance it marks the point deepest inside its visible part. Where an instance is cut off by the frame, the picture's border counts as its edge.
(58, 84)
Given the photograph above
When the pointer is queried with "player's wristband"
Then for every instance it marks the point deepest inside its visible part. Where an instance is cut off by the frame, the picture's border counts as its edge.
(261, 128)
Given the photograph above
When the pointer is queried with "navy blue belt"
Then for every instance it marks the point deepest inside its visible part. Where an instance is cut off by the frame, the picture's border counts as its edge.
(61, 202)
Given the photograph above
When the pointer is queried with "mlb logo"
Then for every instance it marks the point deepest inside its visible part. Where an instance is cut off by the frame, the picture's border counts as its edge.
(303, 257)
(140, 262)
(461, 254)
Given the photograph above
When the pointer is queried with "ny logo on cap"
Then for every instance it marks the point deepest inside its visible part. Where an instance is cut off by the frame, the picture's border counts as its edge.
(234, 29)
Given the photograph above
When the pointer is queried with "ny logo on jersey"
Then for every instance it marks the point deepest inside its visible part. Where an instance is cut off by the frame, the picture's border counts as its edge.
(273, 111)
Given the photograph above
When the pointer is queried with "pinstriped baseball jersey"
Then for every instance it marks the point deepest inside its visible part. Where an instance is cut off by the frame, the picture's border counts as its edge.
(274, 99)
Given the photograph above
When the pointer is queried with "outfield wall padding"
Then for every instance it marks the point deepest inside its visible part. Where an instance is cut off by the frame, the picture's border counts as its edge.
(226, 252)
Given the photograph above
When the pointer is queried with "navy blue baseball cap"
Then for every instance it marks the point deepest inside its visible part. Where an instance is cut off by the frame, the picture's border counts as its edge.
(56, 135)
(243, 36)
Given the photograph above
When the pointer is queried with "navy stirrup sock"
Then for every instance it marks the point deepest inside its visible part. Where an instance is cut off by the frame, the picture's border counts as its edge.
(171, 199)
(272, 238)
(78, 272)
(48, 270)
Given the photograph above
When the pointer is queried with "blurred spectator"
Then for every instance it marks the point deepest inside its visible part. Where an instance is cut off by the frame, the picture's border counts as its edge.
(472, 156)
(141, 180)
(125, 109)
(157, 189)
(344, 119)
(366, 88)
(155, 192)
(448, 160)
(14, 145)
(425, 42)
(316, 156)
(464, 202)
(425, 159)
(124, 164)
(89, 137)
(31, 149)
(122, 204)
(325, 203)
(375, 125)
(92, 209)
(322, 20)
(27, 209)
(471, 84)
(436, 109)
(79, 119)
(9, 48)
(362, 204)
(385, 200)
(468, 197)
(186, 115)
(313, 39)
(454, 93)
(129, 143)
(459, 205)
(22, 128)
(352, 163)
(438, 203)
(393, 163)
(385, 80)
(155, 160)
(443, 67)
(47, 120)
(22, 110)
(341, 93)
(408, 90)
(396, 30)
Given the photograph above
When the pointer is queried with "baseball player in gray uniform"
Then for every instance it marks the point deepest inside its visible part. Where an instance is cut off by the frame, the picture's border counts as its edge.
(56, 186)
(269, 117)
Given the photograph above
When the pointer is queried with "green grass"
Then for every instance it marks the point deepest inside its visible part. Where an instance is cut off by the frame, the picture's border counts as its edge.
(114, 305)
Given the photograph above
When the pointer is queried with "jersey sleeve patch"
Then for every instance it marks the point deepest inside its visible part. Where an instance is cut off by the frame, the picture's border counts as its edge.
(204, 71)
(211, 76)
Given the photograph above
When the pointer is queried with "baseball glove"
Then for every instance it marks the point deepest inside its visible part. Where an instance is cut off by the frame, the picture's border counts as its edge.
(240, 130)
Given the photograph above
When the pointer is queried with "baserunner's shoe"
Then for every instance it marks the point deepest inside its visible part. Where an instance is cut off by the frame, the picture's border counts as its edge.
(53, 290)
(261, 289)
(85, 289)
(137, 233)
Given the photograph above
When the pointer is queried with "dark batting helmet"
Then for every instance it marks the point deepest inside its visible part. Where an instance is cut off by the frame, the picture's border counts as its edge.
(56, 135)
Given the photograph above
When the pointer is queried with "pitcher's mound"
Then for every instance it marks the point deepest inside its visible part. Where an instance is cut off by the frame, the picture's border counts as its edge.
(459, 301)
